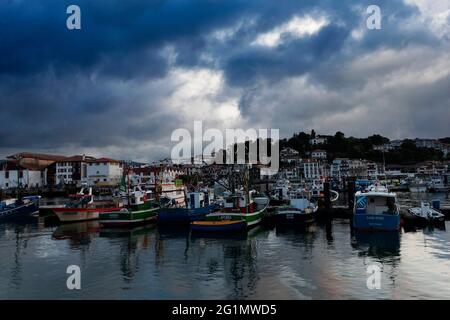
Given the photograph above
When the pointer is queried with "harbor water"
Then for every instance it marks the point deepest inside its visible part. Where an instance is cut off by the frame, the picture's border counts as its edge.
(326, 261)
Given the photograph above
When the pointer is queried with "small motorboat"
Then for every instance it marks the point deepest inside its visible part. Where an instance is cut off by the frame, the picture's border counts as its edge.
(427, 214)
(376, 209)
(19, 208)
(300, 210)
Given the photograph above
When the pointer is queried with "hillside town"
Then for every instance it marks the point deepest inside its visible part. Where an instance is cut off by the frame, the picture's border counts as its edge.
(314, 164)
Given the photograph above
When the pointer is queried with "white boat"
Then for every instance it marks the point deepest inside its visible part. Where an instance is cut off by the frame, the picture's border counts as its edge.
(300, 210)
(425, 213)
(376, 209)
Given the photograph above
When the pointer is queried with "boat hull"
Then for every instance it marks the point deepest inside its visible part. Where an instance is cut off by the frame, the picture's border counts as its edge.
(219, 226)
(294, 217)
(183, 215)
(22, 211)
(77, 214)
(422, 221)
(127, 216)
(382, 222)
(229, 221)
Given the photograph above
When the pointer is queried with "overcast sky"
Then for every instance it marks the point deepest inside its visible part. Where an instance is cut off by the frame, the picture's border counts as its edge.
(137, 70)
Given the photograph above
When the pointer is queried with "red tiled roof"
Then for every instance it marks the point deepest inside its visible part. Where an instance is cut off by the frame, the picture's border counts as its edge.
(39, 156)
(79, 158)
(14, 165)
(104, 160)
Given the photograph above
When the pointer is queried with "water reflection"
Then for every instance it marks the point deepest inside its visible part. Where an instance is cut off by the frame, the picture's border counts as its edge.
(325, 260)
(377, 244)
(79, 232)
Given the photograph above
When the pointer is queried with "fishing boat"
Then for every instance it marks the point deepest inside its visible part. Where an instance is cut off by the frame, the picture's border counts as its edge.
(46, 209)
(376, 209)
(195, 208)
(240, 212)
(299, 211)
(279, 194)
(83, 207)
(138, 207)
(426, 214)
(19, 208)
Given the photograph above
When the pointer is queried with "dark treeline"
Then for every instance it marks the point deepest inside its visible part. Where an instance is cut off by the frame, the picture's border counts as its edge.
(339, 146)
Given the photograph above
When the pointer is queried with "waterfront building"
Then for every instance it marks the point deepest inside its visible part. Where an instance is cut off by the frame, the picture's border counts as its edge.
(27, 169)
(15, 175)
(103, 172)
(72, 170)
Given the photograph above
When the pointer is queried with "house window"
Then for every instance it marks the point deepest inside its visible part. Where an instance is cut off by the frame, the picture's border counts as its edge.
(20, 174)
(6, 174)
(7, 184)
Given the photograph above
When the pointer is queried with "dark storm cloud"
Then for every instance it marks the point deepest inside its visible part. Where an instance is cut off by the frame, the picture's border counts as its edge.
(107, 85)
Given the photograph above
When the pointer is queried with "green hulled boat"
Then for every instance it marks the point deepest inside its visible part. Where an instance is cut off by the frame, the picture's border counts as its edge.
(239, 213)
(138, 207)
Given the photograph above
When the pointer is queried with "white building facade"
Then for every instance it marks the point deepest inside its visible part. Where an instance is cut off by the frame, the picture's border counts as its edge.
(103, 172)
(14, 176)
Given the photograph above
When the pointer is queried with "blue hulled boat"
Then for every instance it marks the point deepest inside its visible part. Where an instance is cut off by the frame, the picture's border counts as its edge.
(16, 209)
(197, 208)
(376, 209)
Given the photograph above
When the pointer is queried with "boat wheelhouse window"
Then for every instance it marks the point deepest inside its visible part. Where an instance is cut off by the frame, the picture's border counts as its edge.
(390, 203)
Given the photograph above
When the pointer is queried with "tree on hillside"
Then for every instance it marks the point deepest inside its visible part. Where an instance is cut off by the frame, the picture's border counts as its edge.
(377, 140)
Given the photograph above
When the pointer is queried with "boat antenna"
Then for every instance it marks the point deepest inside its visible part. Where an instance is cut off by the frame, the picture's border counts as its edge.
(384, 169)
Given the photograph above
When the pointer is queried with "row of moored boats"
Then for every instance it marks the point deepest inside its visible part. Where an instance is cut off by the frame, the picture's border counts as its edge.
(375, 208)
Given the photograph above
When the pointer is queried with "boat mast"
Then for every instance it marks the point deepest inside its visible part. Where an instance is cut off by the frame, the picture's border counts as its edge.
(246, 189)
(128, 186)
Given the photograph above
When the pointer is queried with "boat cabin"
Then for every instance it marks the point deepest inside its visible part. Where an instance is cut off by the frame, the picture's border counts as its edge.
(376, 202)
(238, 201)
(299, 199)
(197, 199)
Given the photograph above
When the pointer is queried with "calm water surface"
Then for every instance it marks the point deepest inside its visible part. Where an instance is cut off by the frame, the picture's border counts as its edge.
(324, 262)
